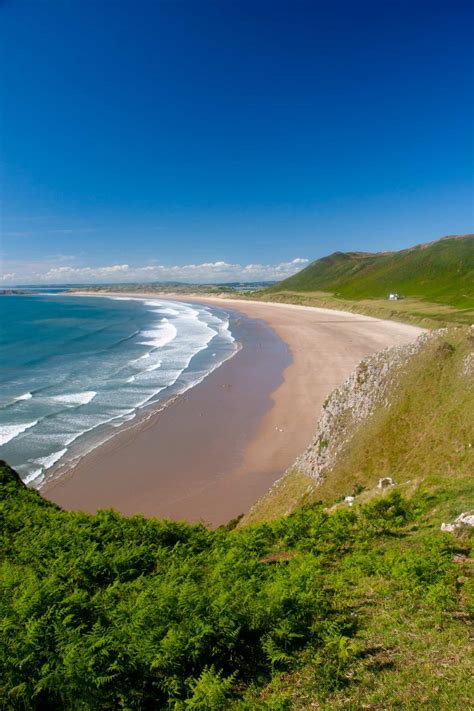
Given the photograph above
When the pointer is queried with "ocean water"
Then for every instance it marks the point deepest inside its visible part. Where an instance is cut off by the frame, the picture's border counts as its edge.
(75, 368)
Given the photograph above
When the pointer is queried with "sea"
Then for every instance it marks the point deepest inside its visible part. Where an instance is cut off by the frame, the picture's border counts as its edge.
(74, 369)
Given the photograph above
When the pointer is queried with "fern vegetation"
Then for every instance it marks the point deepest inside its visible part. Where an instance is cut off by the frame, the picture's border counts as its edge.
(108, 612)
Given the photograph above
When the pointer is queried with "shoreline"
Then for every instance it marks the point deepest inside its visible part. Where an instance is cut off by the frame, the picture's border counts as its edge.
(239, 439)
(64, 469)
(144, 468)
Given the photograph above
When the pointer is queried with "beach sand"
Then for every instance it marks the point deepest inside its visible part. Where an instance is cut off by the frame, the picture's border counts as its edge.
(215, 450)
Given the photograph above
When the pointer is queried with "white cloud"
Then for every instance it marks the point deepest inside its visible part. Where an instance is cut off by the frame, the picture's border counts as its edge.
(219, 271)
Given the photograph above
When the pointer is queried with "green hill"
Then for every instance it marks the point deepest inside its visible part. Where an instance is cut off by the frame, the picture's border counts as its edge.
(330, 607)
(441, 271)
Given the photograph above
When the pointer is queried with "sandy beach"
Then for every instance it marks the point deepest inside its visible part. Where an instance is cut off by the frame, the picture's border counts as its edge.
(215, 450)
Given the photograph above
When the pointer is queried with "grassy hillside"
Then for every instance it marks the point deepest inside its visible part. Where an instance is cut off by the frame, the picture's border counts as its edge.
(421, 433)
(329, 607)
(365, 608)
(441, 271)
(436, 279)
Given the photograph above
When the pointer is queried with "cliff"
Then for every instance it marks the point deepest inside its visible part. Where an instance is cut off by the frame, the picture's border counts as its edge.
(394, 417)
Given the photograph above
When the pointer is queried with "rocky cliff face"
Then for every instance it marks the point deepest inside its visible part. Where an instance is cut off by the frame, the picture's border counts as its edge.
(406, 411)
(353, 402)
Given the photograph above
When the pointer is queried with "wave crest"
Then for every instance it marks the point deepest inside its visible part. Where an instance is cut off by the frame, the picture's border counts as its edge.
(9, 432)
(75, 398)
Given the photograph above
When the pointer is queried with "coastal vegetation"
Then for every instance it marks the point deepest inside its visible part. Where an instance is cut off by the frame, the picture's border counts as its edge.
(435, 281)
(366, 606)
(330, 606)
(173, 288)
(170, 287)
(405, 413)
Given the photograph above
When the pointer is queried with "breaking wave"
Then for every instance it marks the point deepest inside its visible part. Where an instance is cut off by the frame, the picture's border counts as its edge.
(132, 353)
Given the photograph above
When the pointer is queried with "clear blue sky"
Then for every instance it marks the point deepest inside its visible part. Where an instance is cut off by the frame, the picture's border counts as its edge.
(174, 133)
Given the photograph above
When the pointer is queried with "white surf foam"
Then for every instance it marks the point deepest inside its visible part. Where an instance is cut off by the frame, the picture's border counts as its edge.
(33, 475)
(9, 432)
(160, 308)
(167, 343)
(75, 398)
(47, 462)
(25, 396)
(155, 366)
(159, 337)
(122, 298)
(224, 330)
(167, 311)
(122, 415)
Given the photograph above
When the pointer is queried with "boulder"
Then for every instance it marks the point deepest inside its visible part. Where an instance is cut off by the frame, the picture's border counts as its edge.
(464, 519)
(385, 482)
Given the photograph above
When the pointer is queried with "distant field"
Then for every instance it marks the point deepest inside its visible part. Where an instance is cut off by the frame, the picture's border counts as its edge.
(409, 310)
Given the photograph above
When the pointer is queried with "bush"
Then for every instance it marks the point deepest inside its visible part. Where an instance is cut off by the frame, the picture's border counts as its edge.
(111, 612)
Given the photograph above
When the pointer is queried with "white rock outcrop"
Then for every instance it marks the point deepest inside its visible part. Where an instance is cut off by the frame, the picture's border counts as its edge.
(353, 402)
(464, 519)
(468, 365)
(385, 482)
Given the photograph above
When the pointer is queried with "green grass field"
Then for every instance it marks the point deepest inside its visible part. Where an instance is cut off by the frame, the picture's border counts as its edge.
(441, 272)
(436, 281)
(417, 312)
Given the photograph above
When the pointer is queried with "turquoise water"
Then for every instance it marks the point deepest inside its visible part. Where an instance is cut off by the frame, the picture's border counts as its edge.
(74, 368)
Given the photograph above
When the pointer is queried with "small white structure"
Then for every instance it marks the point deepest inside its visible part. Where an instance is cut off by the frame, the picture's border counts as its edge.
(349, 500)
(394, 297)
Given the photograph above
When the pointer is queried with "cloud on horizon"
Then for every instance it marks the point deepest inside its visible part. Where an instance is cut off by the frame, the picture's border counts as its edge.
(54, 273)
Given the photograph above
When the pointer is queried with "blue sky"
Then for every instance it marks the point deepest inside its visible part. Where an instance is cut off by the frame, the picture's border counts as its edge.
(227, 139)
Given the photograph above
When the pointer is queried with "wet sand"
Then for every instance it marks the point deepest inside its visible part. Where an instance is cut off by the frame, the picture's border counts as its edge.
(215, 450)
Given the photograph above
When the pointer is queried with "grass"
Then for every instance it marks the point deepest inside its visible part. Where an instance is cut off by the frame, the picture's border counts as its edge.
(355, 609)
(411, 648)
(426, 436)
(436, 281)
(410, 651)
(414, 311)
(287, 494)
(424, 440)
(439, 272)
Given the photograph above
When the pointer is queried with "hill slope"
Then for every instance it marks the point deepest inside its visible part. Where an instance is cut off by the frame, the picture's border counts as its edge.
(339, 608)
(440, 272)
(405, 413)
